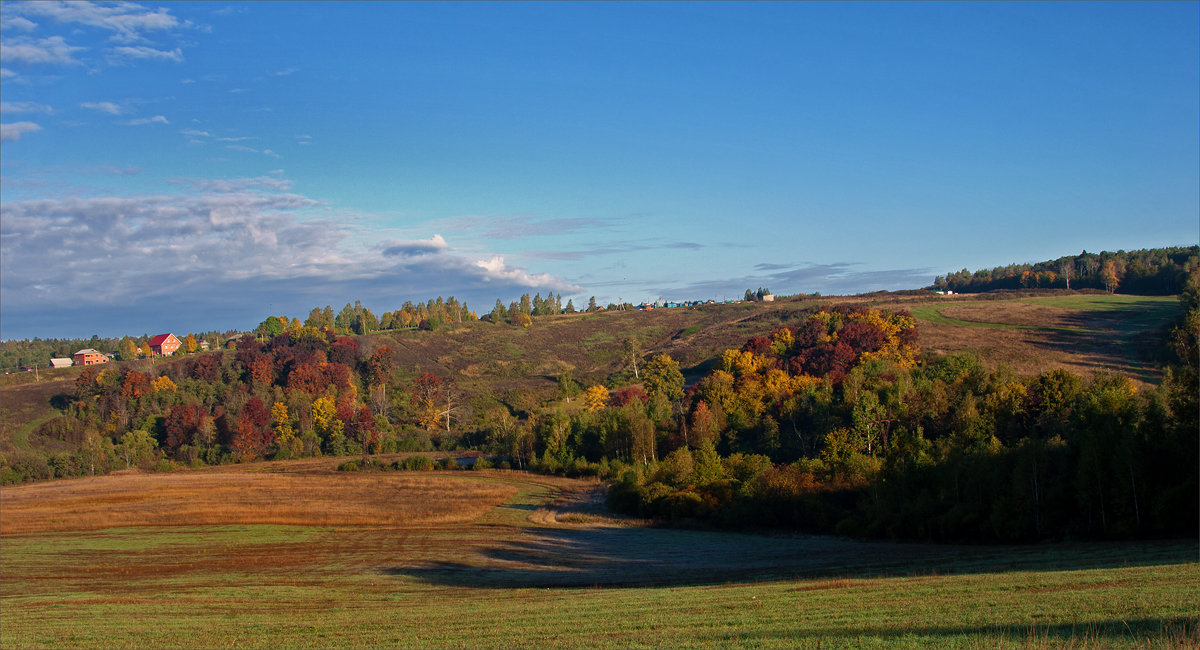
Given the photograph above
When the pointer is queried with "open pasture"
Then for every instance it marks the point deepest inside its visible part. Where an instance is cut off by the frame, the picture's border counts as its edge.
(1085, 333)
(505, 559)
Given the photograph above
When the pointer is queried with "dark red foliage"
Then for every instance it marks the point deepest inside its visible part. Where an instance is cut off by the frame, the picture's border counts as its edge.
(182, 425)
(825, 359)
(344, 350)
(360, 426)
(262, 370)
(627, 395)
(426, 387)
(306, 377)
(862, 337)
(253, 436)
(808, 334)
(760, 345)
(336, 374)
(247, 348)
(206, 367)
(379, 366)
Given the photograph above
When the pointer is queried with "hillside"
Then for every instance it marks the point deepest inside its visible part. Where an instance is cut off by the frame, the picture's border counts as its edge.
(1030, 331)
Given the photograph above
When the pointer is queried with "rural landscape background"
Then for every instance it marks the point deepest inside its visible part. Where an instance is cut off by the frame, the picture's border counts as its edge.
(661, 325)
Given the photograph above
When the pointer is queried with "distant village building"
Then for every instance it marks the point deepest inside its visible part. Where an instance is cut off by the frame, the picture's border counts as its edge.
(89, 357)
(164, 345)
(767, 297)
(61, 362)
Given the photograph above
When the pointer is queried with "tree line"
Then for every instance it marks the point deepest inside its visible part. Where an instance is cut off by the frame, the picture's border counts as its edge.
(1157, 271)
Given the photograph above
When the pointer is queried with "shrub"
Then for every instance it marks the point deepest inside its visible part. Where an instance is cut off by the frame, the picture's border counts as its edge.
(481, 463)
(165, 465)
(25, 466)
(416, 464)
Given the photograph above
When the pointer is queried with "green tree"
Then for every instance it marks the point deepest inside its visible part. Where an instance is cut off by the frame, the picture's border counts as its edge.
(662, 377)
(128, 349)
(136, 447)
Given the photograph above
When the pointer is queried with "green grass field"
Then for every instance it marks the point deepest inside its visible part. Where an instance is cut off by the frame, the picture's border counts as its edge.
(517, 576)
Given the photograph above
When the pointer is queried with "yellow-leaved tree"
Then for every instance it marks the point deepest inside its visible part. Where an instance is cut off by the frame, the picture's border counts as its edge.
(595, 398)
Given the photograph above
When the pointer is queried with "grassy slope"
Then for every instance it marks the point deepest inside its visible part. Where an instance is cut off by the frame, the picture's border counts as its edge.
(513, 576)
(1031, 332)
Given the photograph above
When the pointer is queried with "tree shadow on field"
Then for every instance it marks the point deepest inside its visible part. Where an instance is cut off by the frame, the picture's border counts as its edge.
(629, 557)
(1127, 340)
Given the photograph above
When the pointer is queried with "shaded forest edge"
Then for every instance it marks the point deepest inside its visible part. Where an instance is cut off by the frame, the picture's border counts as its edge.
(829, 421)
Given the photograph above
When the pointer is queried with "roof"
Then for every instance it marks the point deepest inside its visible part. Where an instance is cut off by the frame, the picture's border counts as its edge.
(87, 351)
(161, 338)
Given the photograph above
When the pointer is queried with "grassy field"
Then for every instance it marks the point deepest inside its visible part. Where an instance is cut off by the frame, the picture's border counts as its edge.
(502, 559)
(1083, 333)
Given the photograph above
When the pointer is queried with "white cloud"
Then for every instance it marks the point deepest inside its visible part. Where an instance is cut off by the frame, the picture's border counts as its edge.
(5, 73)
(127, 21)
(25, 107)
(142, 52)
(157, 119)
(14, 131)
(103, 107)
(223, 247)
(237, 184)
(17, 22)
(50, 50)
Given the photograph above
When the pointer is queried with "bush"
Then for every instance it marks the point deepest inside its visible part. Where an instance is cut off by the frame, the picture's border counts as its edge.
(349, 466)
(416, 464)
(481, 463)
(26, 466)
(164, 465)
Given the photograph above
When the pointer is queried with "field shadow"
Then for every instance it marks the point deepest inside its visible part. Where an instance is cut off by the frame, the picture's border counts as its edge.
(633, 557)
(1132, 342)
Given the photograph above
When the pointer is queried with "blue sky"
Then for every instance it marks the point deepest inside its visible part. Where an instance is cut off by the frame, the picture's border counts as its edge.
(188, 167)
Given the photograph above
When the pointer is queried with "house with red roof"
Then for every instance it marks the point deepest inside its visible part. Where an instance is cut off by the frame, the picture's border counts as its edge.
(164, 345)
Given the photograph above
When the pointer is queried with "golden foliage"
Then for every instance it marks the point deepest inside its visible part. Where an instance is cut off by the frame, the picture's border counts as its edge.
(595, 398)
(162, 383)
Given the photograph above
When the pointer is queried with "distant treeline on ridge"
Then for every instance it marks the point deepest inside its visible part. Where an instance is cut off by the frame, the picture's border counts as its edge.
(1147, 272)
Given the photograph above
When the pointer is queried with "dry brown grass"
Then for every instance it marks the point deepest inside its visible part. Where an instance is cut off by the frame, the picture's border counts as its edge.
(241, 497)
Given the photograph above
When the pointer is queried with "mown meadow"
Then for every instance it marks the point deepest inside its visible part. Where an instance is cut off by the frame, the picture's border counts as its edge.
(508, 559)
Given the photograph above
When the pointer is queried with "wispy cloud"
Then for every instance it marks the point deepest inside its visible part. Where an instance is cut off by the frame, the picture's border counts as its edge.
(15, 130)
(141, 121)
(25, 107)
(127, 53)
(126, 21)
(270, 183)
(520, 227)
(18, 23)
(103, 107)
(52, 50)
(835, 278)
